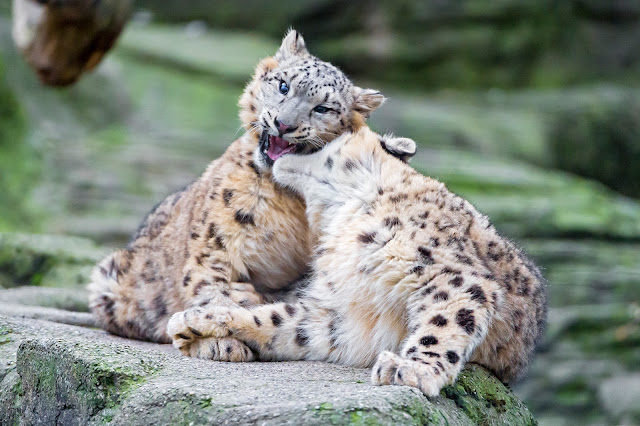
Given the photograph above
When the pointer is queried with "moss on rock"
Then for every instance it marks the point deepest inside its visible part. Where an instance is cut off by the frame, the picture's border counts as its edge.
(588, 272)
(18, 162)
(528, 201)
(600, 141)
(80, 376)
(508, 43)
(482, 397)
(10, 383)
(30, 259)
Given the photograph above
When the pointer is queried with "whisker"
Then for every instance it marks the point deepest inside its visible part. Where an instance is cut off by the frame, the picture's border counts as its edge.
(316, 142)
(253, 128)
(239, 128)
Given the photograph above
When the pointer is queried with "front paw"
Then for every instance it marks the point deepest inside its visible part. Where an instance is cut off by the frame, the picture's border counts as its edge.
(187, 326)
(224, 349)
(391, 369)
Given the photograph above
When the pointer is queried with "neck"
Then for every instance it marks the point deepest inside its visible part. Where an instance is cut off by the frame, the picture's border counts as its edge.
(357, 121)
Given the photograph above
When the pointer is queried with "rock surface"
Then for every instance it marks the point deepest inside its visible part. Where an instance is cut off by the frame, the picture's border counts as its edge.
(60, 374)
(56, 368)
(446, 43)
(621, 396)
(46, 260)
(589, 345)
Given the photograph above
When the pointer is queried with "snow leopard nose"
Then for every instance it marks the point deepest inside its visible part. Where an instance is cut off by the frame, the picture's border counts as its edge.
(283, 128)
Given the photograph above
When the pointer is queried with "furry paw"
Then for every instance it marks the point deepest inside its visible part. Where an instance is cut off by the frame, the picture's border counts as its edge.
(245, 295)
(186, 326)
(391, 369)
(224, 349)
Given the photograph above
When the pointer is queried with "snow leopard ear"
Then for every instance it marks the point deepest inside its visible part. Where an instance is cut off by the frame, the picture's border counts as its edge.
(292, 46)
(402, 148)
(366, 100)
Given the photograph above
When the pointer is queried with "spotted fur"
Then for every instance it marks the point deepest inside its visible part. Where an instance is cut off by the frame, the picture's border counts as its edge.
(234, 225)
(407, 277)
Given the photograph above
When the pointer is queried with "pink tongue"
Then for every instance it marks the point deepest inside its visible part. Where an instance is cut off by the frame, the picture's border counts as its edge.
(278, 147)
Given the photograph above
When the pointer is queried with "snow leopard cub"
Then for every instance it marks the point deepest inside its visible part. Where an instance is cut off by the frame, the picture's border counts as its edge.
(407, 277)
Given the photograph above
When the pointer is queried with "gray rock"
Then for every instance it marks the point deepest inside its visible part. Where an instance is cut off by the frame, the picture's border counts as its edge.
(586, 347)
(46, 260)
(620, 397)
(55, 373)
(83, 319)
(70, 299)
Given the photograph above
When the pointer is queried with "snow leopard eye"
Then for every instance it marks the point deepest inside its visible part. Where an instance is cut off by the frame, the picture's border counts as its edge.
(284, 88)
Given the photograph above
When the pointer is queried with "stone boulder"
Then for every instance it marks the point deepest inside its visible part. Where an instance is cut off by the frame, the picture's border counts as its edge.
(56, 367)
(53, 260)
(60, 374)
(445, 43)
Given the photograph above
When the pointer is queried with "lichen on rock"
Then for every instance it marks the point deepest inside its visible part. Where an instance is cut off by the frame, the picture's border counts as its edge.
(72, 375)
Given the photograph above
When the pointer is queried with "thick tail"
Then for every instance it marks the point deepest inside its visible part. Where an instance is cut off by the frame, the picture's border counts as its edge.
(115, 305)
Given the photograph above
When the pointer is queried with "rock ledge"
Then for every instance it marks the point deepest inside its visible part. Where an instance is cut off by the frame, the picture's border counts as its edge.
(54, 373)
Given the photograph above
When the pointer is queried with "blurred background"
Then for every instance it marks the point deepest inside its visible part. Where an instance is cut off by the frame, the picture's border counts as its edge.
(528, 108)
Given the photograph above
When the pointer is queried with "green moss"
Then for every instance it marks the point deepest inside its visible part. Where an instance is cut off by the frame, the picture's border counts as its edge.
(5, 329)
(28, 259)
(421, 414)
(19, 164)
(360, 417)
(575, 394)
(509, 43)
(481, 396)
(409, 411)
(523, 200)
(7, 348)
(610, 338)
(176, 100)
(150, 42)
(10, 397)
(205, 403)
(88, 378)
(600, 141)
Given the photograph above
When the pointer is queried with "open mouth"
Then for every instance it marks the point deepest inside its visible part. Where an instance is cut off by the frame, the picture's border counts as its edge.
(274, 147)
